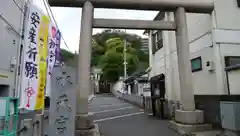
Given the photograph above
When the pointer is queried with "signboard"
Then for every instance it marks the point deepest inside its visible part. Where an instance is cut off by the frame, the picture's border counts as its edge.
(146, 87)
(34, 60)
(62, 102)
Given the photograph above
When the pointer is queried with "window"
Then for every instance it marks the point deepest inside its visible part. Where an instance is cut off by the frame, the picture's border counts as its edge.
(196, 64)
(159, 35)
(159, 44)
(232, 60)
(157, 41)
(153, 43)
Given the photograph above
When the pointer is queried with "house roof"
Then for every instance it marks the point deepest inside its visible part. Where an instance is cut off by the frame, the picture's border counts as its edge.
(135, 76)
(158, 78)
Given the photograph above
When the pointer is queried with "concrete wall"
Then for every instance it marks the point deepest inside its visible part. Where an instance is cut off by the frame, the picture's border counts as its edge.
(158, 62)
(226, 12)
(10, 28)
(227, 43)
(204, 81)
(225, 35)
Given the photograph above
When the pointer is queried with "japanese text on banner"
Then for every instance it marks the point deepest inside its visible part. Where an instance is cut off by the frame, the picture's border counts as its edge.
(51, 57)
(34, 60)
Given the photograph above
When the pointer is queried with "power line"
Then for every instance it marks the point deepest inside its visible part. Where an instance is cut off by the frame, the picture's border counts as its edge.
(10, 25)
(51, 14)
(18, 6)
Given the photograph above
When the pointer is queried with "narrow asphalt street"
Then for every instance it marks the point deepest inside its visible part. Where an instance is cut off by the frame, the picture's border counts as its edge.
(118, 118)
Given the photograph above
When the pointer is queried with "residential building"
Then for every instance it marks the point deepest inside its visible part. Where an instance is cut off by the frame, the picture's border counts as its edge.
(144, 45)
(214, 54)
(11, 22)
(138, 84)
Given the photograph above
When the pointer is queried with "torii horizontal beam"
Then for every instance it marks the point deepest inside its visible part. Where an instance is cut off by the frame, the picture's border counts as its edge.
(134, 24)
(199, 6)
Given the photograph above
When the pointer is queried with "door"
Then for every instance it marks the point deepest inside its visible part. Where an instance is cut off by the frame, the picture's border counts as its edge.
(158, 95)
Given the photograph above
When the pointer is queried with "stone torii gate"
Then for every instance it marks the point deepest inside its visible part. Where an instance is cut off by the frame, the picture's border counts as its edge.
(188, 114)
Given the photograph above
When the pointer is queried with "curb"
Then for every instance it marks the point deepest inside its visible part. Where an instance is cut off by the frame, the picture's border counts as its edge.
(91, 97)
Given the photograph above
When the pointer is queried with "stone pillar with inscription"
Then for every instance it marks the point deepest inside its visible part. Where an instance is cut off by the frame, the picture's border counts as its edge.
(63, 102)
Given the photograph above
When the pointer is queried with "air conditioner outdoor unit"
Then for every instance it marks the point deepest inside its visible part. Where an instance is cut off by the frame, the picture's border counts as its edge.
(230, 117)
(210, 65)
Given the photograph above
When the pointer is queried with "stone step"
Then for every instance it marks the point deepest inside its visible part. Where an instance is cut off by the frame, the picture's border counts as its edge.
(187, 130)
(209, 133)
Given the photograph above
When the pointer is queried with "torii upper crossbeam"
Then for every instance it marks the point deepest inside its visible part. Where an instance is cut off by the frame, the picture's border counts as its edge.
(199, 6)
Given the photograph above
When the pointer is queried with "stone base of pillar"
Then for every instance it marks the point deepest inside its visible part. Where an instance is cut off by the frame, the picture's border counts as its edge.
(187, 122)
(84, 122)
(184, 129)
(89, 132)
(85, 126)
(232, 133)
(189, 117)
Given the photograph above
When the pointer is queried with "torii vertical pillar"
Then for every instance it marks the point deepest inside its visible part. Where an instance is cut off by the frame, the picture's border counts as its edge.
(187, 118)
(184, 67)
(83, 119)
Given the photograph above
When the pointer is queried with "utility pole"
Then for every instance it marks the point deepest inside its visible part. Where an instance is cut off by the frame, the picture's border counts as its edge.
(125, 57)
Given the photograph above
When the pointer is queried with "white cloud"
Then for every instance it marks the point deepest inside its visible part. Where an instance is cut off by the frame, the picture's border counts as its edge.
(68, 20)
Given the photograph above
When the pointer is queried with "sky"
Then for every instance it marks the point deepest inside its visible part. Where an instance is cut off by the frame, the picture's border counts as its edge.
(68, 21)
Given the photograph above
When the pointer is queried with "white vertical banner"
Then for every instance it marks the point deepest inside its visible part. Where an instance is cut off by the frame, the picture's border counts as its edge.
(51, 56)
(35, 52)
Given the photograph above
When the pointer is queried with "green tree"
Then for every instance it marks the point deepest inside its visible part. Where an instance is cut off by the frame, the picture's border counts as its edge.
(111, 64)
(69, 58)
(107, 53)
(97, 52)
(111, 61)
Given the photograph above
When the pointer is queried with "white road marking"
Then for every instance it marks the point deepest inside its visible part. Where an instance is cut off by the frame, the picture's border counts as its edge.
(116, 117)
(112, 110)
(110, 105)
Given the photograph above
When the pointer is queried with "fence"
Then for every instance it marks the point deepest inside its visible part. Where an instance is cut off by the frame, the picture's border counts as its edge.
(33, 123)
(140, 101)
(146, 104)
